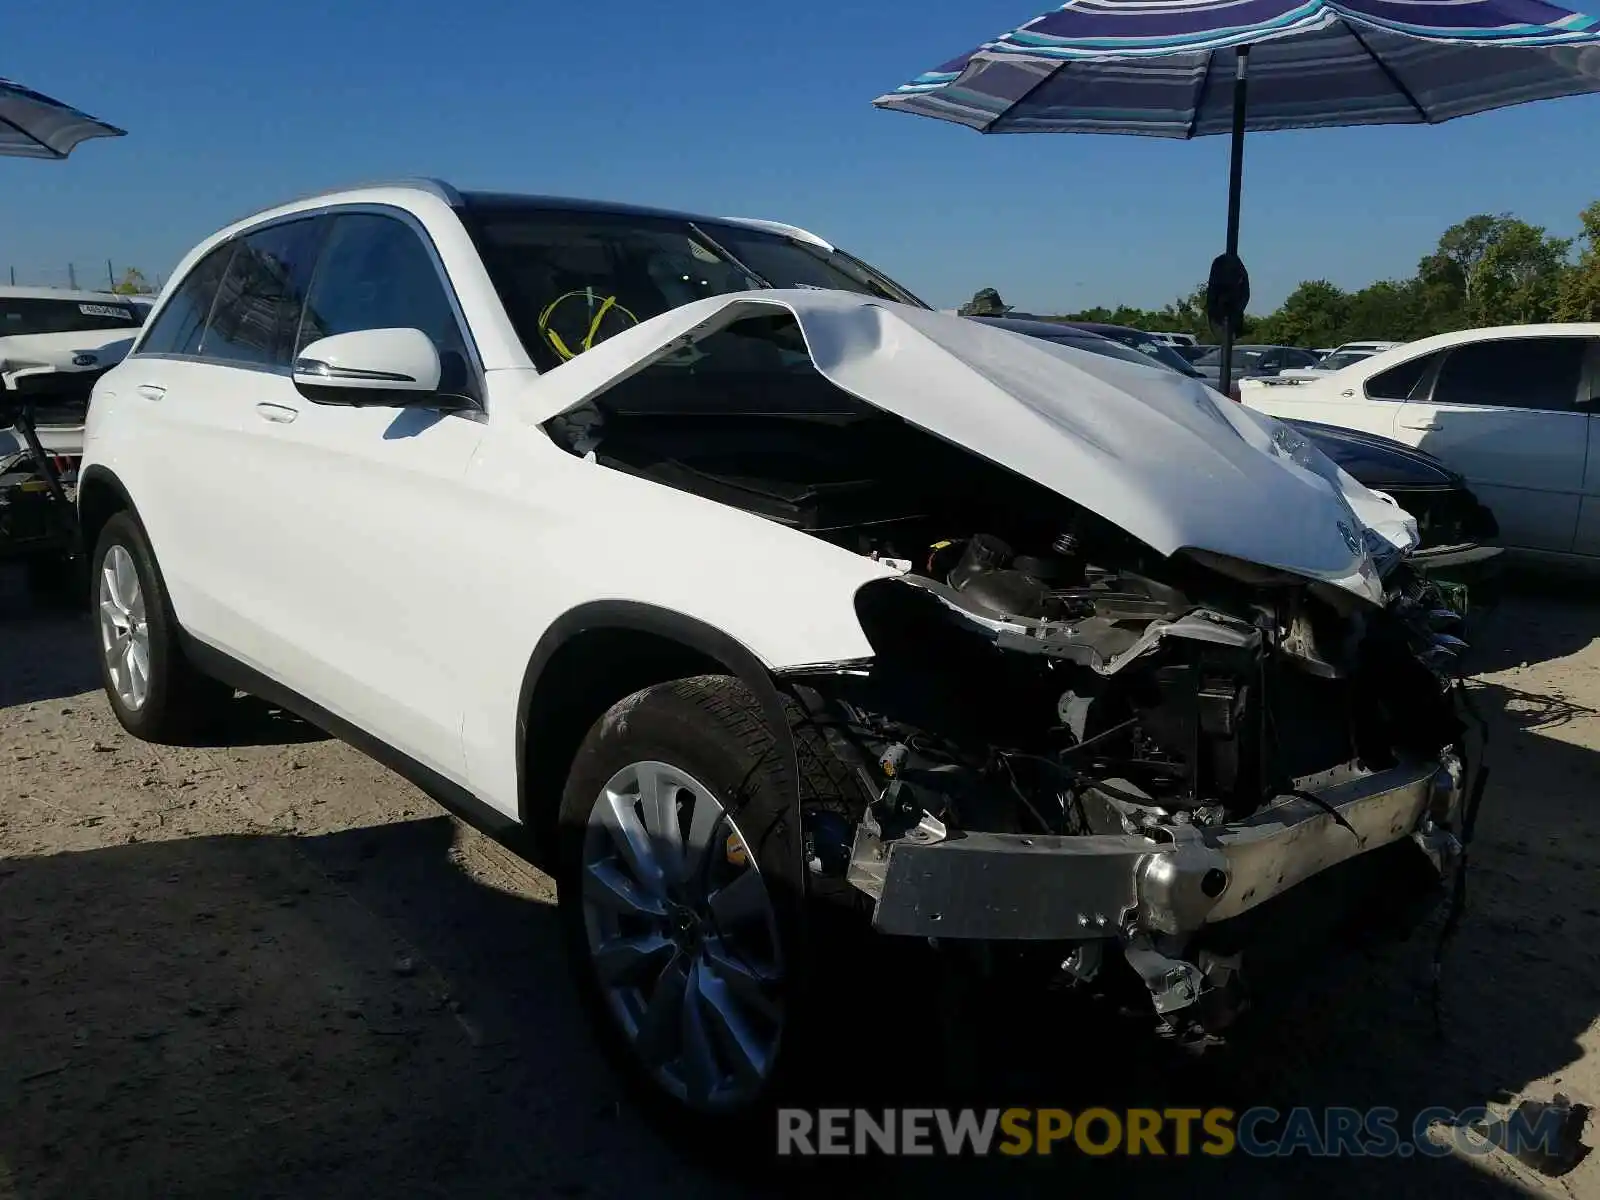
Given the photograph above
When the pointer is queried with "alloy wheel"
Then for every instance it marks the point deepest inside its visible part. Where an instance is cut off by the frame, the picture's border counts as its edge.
(124, 629)
(682, 935)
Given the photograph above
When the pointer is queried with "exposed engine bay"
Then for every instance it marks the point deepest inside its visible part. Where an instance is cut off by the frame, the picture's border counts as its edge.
(1208, 731)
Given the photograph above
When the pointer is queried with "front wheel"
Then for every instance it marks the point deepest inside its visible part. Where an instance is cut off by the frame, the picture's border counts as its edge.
(683, 900)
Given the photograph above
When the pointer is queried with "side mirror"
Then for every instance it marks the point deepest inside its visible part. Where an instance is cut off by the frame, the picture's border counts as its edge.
(369, 366)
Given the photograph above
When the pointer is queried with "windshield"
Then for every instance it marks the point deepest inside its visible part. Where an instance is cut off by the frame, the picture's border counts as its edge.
(31, 316)
(1342, 359)
(572, 278)
(1151, 348)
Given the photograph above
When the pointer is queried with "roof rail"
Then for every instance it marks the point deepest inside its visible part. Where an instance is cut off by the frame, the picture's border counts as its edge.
(434, 187)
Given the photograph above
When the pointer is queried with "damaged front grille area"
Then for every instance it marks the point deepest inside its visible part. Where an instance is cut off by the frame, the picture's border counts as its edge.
(1153, 760)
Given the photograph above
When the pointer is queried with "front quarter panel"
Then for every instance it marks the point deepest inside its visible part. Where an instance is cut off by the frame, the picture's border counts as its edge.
(560, 532)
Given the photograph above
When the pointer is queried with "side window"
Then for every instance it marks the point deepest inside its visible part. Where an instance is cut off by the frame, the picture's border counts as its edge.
(1513, 373)
(376, 274)
(177, 330)
(258, 306)
(1398, 382)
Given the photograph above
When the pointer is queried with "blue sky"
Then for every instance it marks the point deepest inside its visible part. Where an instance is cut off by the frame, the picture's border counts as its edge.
(740, 109)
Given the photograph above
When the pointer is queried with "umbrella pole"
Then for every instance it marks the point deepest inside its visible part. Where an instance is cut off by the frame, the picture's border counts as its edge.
(1235, 181)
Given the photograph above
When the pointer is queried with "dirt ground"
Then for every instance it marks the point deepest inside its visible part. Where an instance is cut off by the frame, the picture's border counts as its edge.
(269, 967)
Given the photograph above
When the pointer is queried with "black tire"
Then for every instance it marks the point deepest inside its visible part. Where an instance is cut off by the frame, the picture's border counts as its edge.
(714, 729)
(180, 703)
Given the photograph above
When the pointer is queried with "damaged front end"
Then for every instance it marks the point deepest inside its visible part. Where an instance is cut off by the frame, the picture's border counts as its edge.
(1121, 766)
(1077, 731)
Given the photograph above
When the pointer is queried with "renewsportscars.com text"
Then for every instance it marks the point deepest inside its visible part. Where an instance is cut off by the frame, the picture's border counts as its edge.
(1151, 1132)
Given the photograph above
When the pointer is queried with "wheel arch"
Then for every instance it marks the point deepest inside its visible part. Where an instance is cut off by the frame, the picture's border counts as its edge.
(101, 495)
(594, 655)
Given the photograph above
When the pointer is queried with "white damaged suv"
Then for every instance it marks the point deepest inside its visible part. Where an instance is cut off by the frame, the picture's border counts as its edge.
(699, 558)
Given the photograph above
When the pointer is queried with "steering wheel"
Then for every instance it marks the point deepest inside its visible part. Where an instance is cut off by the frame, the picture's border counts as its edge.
(608, 308)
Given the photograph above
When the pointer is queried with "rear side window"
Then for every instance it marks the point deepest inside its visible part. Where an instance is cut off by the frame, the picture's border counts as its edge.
(257, 311)
(377, 274)
(177, 330)
(27, 316)
(1513, 373)
(1397, 383)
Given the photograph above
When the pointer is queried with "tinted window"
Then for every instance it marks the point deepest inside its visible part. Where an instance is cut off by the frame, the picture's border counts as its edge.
(1244, 358)
(1341, 359)
(1152, 348)
(258, 305)
(1104, 347)
(1397, 382)
(1513, 373)
(1299, 358)
(177, 330)
(376, 274)
(19, 316)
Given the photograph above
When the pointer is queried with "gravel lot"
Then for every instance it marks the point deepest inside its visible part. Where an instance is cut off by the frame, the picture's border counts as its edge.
(270, 967)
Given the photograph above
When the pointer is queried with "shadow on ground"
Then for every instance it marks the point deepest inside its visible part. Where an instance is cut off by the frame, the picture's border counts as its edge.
(356, 1014)
(1534, 616)
(352, 1015)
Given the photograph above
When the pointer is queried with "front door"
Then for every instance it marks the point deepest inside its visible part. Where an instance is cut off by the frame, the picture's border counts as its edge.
(359, 508)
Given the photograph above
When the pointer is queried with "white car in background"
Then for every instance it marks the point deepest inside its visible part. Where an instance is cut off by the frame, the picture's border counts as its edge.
(54, 345)
(1346, 355)
(1513, 409)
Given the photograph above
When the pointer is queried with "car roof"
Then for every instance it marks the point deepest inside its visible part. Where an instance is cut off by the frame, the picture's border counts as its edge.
(488, 202)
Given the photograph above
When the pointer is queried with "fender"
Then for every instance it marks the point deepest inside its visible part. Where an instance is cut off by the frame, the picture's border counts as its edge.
(695, 635)
(96, 476)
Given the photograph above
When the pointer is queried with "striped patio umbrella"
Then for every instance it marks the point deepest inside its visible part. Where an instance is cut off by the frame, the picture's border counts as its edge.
(1180, 68)
(35, 126)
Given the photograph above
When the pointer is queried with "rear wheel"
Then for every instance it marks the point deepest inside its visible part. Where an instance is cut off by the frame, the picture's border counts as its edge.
(684, 900)
(155, 691)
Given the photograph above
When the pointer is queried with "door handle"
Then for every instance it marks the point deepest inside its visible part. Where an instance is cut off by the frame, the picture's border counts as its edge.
(1422, 425)
(281, 413)
(151, 391)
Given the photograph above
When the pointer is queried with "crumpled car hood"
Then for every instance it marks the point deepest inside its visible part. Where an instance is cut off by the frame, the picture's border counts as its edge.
(1162, 456)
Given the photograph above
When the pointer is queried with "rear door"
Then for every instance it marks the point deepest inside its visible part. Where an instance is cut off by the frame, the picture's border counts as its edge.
(182, 445)
(1505, 413)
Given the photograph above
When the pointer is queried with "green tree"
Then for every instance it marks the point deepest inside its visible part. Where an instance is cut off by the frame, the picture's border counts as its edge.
(1490, 269)
(1517, 278)
(1315, 314)
(1461, 248)
(133, 283)
(1578, 298)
